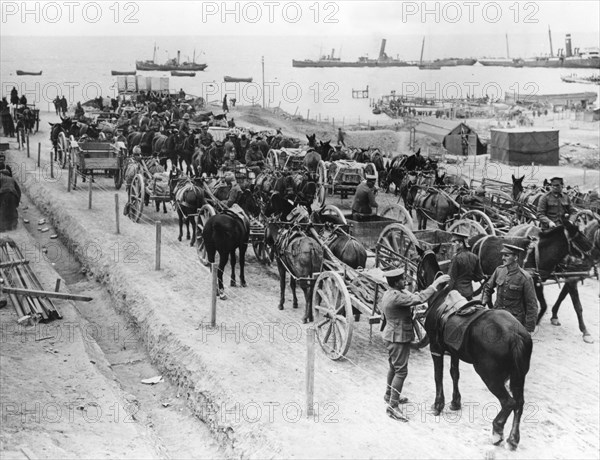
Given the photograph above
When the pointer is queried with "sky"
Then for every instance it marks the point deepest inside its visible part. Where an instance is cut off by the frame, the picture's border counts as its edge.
(302, 18)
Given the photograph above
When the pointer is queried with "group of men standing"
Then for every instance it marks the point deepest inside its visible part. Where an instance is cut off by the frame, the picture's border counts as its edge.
(514, 286)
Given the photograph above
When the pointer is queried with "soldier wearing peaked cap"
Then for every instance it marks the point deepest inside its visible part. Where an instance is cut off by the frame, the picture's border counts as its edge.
(364, 198)
(397, 332)
(554, 206)
(464, 267)
(516, 291)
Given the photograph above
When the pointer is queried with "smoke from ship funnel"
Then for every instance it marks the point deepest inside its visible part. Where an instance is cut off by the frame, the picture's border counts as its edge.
(568, 45)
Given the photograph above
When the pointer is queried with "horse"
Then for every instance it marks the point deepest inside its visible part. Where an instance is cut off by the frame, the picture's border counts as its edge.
(164, 147)
(55, 129)
(543, 259)
(311, 160)
(186, 150)
(431, 204)
(495, 361)
(206, 160)
(297, 253)
(188, 197)
(143, 139)
(226, 232)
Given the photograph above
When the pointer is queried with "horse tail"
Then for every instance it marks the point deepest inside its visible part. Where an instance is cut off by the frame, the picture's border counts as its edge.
(521, 348)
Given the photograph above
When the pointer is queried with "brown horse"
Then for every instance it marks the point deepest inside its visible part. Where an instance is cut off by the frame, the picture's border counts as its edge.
(431, 204)
(188, 197)
(508, 356)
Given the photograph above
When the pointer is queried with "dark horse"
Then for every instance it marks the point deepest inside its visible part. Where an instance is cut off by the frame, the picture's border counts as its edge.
(226, 232)
(65, 127)
(543, 258)
(188, 197)
(506, 357)
(431, 204)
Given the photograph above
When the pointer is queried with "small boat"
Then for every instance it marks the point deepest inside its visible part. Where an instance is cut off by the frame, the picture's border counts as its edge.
(177, 73)
(430, 66)
(228, 79)
(22, 72)
(126, 72)
(573, 78)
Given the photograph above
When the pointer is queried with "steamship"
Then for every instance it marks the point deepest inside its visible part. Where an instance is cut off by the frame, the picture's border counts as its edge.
(171, 64)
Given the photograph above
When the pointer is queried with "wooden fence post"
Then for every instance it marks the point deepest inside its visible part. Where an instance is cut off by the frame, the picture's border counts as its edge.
(158, 243)
(310, 371)
(27, 145)
(69, 177)
(51, 165)
(117, 212)
(90, 191)
(39, 157)
(215, 287)
(39, 149)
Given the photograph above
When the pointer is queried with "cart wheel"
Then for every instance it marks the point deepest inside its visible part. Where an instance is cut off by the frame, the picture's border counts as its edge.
(334, 321)
(468, 226)
(399, 213)
(418, 322)
(205, 213)
(261, 252)
(118, 178)
(62, 146)
(371, 167)
(332, 213)
(321, 192)
(482, 219)
(136, 198)
(273, 159)
(74, 172)
(397, 247)
(582, 218)
(120, 171)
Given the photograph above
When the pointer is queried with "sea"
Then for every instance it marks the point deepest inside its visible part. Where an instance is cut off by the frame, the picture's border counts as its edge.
(80, 69)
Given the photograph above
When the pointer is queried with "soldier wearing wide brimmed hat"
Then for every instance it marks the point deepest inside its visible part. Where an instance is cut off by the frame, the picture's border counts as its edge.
(516, 292)
(397, 332)
(554, 206)
(464, 267)
(364, 198)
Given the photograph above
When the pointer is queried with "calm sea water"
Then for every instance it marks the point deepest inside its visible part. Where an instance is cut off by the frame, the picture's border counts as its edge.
(79, 68)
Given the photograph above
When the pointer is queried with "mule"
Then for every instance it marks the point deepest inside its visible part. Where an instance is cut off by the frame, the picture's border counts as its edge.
(431, 204)
(495, 361)
(188, 197)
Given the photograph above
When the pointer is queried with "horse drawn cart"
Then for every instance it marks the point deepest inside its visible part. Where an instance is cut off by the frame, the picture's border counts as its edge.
(146, 181)
(344, 176)
(89, 156)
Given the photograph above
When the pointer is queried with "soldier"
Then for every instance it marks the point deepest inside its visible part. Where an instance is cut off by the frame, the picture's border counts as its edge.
(231, 164)
(554, 206)
(184, 127)
(206, 138)
(155, 123)
(255, 159)
(464, 268)
(229, 145)
(516, 292)
(235, 192)
(397, 332)
(364, 199)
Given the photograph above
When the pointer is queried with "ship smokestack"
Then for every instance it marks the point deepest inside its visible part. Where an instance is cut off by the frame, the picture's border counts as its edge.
(550, 37)
(178, 54)
(332, 52)
(568, 45)
(382, 49)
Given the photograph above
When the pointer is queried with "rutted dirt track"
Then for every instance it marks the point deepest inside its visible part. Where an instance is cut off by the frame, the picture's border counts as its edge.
(246, 379)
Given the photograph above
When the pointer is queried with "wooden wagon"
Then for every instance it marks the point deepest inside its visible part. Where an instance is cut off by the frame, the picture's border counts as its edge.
(87, 157)
(344, 176)
(145, 187)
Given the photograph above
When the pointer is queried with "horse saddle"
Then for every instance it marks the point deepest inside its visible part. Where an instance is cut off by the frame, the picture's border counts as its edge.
(180, 192)
(421, 197)
(455, 316)
(236, 211)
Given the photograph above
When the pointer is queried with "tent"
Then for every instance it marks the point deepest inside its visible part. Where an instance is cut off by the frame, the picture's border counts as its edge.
(523, 146)
(455, 136)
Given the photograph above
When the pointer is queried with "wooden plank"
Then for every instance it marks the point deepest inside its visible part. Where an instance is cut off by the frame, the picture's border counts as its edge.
(46, 294)
(12, 263)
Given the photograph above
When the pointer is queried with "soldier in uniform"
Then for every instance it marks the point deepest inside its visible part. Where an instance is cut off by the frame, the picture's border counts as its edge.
(229, 145)
(235, 192)
(464, 268)
(516, 292)
(255, 159)
(554, 206)
(206, 138)
(155, 123)
(231, 164)
(364, 198)
(184, 127)
(397, 332)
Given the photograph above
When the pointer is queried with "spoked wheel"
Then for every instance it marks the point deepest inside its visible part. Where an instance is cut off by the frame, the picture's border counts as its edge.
(418, 322)
(468, 227)
(205, 213)
(399, 213)
(582, 218)
(482, 219)
(320, 194)
(258, 242)
(119, 173)
(334, 321)
(332, 213)
(273, 159)
(62, 146)
(136, 198)
(397, 247)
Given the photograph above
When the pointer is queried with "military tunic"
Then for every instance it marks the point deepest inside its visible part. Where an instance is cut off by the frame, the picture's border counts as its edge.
(552, 207)
(516, 294)
(364, 199)
(464, 269)
(205, 139)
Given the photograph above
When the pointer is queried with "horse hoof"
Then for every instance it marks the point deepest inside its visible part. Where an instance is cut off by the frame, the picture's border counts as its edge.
(555, 322)
(179, 239)
(497, 438)
(512, 443)
(222, 296)
(455, 406)
(244, 284)
(587, 338)
(280, 307)
(295, 305)
(192, 244)
(233, 283)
